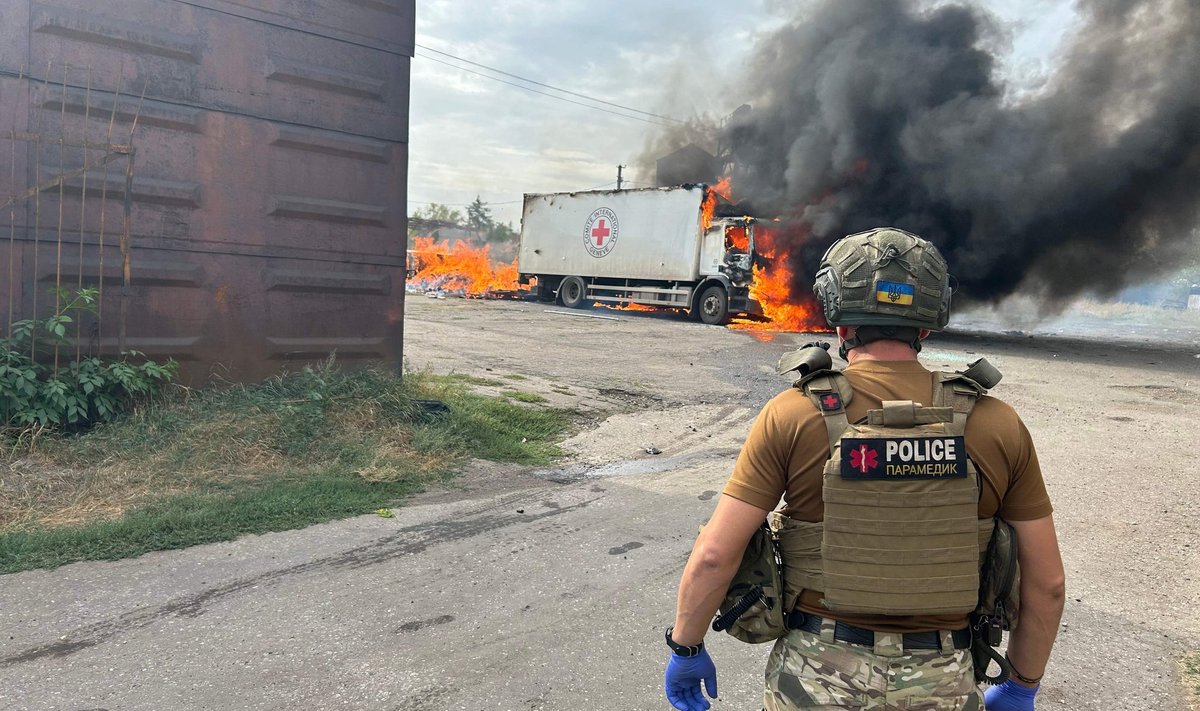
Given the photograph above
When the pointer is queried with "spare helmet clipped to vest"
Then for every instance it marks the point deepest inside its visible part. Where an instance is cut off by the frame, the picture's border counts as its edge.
(887, 282)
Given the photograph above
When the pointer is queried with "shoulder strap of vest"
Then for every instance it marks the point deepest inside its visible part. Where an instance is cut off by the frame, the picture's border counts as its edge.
(958, 392)
(830, 392)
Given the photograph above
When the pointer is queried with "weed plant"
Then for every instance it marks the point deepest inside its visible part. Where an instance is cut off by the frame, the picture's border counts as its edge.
(43, 387)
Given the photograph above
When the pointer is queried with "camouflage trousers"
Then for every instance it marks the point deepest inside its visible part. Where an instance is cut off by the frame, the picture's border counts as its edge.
(815, 672)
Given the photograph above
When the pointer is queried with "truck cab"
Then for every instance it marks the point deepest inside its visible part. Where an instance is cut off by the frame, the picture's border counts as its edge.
(726, 269)
(728, 249)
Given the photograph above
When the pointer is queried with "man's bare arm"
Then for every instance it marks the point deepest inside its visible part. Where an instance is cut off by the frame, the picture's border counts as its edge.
(1043, 589)
(712, 564)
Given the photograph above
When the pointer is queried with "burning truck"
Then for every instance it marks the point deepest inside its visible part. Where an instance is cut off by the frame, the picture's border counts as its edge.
(658, 247)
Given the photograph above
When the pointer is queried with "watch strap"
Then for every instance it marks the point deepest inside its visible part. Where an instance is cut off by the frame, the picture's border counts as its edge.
(683, 650)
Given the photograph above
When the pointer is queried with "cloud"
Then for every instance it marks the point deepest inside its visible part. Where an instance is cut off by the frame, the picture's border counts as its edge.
(470, 135)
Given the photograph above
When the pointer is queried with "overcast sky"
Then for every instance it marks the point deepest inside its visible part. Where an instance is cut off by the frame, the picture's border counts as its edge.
(472, 135)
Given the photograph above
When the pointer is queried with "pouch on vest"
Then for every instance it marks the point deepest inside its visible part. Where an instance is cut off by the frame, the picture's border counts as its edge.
(999, 601)
(752, 609)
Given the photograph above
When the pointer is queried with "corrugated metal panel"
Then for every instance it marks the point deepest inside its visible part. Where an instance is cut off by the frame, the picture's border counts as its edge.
(267, 207)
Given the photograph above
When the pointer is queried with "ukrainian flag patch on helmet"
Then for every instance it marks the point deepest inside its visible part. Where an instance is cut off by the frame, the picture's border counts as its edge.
(892, 292)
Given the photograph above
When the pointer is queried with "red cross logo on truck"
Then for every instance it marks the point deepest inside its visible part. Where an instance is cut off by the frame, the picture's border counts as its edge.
(601, 231)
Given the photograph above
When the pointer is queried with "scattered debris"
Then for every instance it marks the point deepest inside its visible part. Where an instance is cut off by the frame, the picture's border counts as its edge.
(653, 450)
(384, 513)
(431, 409)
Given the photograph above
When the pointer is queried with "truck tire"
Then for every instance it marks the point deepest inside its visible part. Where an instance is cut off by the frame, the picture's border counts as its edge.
(572, 292)
(713, 306)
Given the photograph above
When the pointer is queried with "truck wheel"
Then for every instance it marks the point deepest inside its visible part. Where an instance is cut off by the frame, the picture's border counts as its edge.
(571, 292)
(713, 306)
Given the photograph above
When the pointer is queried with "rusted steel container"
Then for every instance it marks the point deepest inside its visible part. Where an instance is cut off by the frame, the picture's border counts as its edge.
(232, 178)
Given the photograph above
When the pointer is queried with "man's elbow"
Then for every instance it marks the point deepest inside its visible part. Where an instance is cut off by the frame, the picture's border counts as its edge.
(1047, 591)
(714, 558)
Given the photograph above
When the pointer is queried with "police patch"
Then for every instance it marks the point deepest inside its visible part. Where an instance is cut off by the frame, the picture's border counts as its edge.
(898, 458)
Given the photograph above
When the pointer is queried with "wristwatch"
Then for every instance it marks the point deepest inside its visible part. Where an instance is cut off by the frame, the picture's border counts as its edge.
(682, 650)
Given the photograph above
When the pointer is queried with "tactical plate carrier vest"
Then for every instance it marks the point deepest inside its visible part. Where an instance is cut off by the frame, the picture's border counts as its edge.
(902, 534)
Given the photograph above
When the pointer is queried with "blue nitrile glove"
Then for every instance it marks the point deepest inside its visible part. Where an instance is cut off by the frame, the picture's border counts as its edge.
(1009, 696)
(684, 675)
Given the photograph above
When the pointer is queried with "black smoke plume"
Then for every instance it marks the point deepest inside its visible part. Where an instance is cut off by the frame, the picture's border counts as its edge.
(886, 112)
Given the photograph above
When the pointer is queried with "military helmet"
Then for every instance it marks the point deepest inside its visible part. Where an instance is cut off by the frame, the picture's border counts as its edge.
(884, 277)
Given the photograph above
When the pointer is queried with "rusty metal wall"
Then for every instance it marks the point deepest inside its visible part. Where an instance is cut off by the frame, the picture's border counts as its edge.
(267, 210)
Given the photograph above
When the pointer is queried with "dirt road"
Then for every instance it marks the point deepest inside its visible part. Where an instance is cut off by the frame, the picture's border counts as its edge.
(522, 589)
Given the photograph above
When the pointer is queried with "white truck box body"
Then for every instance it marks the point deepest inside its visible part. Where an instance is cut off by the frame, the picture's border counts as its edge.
(648, 234)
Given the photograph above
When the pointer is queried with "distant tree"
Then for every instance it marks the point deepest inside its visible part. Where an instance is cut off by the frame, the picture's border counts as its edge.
(438, 213)
(479, 216)
(501, 232)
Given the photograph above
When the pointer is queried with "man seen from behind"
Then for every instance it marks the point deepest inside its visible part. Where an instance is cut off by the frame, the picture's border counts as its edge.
(892, 479)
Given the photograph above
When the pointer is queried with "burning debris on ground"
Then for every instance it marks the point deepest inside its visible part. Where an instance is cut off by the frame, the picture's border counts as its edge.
(440, 268)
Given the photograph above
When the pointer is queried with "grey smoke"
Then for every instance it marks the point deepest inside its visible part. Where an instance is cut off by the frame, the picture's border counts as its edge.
(886, 112)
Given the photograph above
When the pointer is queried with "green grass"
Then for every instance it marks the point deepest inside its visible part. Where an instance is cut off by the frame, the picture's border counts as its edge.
(521, 396)
(212, 465)
(515, 376)
(474, 380)
(1189, 666)
(190, 519)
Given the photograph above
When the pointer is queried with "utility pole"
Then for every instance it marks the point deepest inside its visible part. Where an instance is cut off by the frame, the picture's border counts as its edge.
(619, 179)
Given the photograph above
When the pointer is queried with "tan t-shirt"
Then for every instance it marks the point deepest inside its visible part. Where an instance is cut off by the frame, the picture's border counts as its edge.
(787, 448)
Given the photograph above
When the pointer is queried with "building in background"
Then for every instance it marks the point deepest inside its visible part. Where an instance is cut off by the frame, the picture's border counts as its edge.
(230, 176)
(690, 164)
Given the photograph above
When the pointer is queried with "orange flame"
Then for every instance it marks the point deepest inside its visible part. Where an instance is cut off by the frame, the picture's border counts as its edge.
(736, 238)
(772, 289)
(629, 306)
(709, 206)
(459, 267)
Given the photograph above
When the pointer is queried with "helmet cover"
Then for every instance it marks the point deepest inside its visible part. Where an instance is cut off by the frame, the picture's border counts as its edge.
(884, 277)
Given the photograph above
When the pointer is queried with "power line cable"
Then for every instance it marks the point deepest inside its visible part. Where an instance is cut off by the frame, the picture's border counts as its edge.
(543, 93)
(462, 204)
(508, 202)
(548, 86)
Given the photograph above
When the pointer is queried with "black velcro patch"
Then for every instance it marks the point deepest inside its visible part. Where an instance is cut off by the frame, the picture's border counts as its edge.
(830, 402)
(899, 458)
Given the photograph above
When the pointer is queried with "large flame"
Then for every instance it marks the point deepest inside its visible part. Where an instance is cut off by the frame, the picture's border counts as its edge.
(460, 268)
(772, 284)
(724, 189)
(772, 288)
